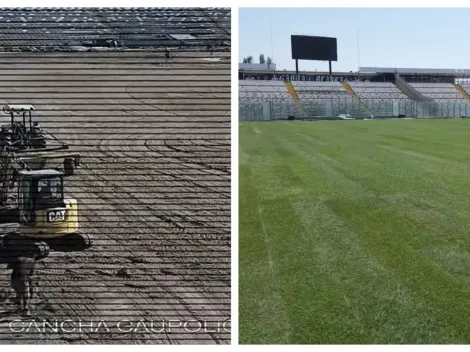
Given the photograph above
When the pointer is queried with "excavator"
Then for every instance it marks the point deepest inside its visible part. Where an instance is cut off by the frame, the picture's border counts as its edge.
(46, 219)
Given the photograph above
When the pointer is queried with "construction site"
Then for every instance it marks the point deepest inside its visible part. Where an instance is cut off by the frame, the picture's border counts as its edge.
(133, 138)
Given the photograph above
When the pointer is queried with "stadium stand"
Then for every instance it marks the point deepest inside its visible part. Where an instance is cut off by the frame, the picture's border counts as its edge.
(438, 91)
(316, 95)
(254, 92)
(465, 87)
(67, 29)
(378, 90)
(318, 98)
(379, 97)
(319, 90)
(251, 90)
(369, 92)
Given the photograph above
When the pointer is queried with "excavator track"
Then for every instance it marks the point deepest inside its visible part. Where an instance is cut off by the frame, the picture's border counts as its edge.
(15, 244)
(75, 242)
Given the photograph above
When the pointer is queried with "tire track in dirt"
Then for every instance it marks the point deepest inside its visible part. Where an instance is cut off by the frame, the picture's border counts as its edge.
(142, 217)
(157, 254)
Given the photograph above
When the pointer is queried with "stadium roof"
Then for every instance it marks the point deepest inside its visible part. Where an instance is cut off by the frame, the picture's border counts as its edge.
(443, 71)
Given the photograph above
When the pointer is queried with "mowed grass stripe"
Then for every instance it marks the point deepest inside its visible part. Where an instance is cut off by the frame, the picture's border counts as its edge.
(262, 296)
(355, 232)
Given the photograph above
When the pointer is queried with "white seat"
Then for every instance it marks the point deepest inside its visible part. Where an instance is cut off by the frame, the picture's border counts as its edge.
(438, 91)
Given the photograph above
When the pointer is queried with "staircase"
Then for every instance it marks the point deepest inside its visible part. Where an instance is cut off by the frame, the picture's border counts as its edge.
(295, 98)
(401, 90)
(409, 91)
(462, 91)
(356, 98)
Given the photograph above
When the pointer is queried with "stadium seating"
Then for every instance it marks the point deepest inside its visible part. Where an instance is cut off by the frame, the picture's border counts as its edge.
(466, 87)
(440, 92)
(377, 90)
(380, 99)
(259, 91)
(310, 90)
(315, 96)
(255, 92)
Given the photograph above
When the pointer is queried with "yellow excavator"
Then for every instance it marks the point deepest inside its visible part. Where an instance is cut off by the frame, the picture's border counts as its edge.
(46, 218)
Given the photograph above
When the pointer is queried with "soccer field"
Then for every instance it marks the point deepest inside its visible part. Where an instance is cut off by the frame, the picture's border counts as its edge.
(355, 232)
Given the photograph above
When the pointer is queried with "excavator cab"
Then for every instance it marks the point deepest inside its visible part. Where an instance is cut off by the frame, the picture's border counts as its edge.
(47, 220)
(42, 209)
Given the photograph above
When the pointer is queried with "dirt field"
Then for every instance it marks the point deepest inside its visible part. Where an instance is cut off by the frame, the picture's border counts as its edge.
(153, 191)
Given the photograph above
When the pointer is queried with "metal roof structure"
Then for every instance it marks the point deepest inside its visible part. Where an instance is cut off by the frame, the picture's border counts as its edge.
(33, 29)
(18, 108)
(40, 173)
(424, 71)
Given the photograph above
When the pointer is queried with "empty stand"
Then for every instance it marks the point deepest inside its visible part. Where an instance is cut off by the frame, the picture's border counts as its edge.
(361, 99)
(379, 97)
(255, 92)
(295, 97)
(466, 89)
(377, 90)
(316, 98)
(262, 91)
(309, 90)
(440, 92)
(325, 98)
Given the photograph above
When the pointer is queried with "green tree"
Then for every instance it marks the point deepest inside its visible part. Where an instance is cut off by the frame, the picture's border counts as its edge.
(261, 59)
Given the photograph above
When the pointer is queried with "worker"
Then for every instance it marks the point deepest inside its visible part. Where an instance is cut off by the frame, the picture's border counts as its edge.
(210, 49)
(168, 54)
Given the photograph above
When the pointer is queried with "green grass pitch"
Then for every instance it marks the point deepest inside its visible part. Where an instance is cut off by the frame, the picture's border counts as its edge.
(354, 232)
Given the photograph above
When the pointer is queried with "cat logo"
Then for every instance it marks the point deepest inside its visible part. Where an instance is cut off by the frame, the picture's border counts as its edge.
(56, 215)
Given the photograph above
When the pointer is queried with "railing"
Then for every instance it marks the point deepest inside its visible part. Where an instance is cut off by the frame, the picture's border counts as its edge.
(335, 108)
(409, 90)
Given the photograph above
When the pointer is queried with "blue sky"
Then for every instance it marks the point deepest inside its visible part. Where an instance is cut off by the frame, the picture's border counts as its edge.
(391, 37)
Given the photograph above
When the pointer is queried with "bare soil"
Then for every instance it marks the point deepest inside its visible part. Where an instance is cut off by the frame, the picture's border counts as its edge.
(153, 190)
